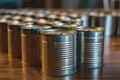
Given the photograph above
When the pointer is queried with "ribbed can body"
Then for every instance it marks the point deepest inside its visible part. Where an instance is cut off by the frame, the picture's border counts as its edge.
(59, 54)
(31, 44)
(90, 48)
(14, 41)
(3, 37)
(31, 47)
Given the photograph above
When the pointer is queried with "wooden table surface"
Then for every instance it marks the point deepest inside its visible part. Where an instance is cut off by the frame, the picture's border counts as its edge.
(13, 69)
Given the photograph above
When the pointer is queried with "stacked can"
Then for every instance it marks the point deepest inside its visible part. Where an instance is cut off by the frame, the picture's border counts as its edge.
(31, 44)
(91, 51)
(3, 35)
(59, 52)
(14, 38)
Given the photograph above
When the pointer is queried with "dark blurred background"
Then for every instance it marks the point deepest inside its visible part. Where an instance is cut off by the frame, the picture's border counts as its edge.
(12, 4)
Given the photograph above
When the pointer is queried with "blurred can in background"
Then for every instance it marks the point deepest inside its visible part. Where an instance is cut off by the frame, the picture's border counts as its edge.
(14, 38)
(31, 44)
(3, 35)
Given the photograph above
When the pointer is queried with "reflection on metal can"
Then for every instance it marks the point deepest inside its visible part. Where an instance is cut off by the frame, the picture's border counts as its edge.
(14, 38)
(31, 44)
(91, 47)
(59, 52)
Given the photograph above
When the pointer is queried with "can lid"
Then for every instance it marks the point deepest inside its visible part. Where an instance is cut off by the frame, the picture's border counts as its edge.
(91, 29)
(53, 22)
(101, 14)
(64, 18)
(14, 12)
(70, 25)
(96, 29)
(51, 16)
(7, 16)
(15, 22)
(82, 28)
(41, 21)
(36, 27)
(3, 20)
(30, 13)
(40, 15)
(16, 17)
(60, 32)
(94, 13)
(58, 24)
(28, 19)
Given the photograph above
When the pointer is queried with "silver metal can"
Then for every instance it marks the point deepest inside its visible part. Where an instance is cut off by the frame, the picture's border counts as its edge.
(85, 19)
(14, 39)
(94, 19)
(91, 73)
(92, 49)
(31, 44)
(59, 52)
(111, 25)
(3, 35)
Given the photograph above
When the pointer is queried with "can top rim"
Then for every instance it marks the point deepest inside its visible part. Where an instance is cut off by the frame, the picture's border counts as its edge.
(29, 27)
(90, 29)
(59, 32)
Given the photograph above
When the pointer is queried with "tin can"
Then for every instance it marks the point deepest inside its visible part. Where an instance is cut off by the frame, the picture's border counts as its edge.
(85, 18)
(14, 39)
(3, 35)
(93, 19)
(111, 25)
(92, 48)
(77, 21)
(118, 24)
(31, 44)
(59, 52)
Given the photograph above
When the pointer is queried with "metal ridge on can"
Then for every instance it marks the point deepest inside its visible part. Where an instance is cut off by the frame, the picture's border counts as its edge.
(59, 52)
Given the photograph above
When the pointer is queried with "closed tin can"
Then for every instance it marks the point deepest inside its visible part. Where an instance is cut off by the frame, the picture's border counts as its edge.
(80, 43)
(118, 24)
(31, 44)
(85, 19)
(93, 19)
(59, 52)
(111, 25)
(93, 48)
(3, 35)
(14, 39)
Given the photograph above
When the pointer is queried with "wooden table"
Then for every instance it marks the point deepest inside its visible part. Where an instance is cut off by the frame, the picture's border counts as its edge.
(13, 69)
